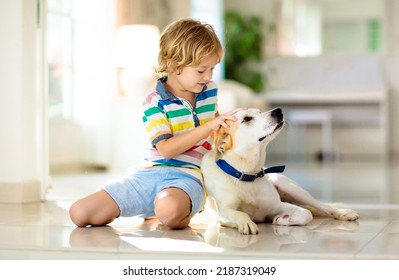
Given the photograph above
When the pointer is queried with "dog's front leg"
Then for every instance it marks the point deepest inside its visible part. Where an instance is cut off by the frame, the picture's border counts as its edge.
(236, 219)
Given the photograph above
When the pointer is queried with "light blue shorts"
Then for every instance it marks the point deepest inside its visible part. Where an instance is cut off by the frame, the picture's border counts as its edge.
(135, 193)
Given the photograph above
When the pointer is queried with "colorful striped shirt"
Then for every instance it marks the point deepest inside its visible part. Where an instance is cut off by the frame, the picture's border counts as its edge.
(166, 115)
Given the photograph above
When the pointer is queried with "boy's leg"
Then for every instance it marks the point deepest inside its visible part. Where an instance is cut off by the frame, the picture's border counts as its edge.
(97, 209)
(173, 207)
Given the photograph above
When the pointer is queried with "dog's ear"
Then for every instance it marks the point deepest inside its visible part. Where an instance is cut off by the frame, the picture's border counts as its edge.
(223, 141)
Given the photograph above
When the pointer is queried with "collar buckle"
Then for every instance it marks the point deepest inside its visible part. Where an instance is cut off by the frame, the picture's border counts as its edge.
(261, 173)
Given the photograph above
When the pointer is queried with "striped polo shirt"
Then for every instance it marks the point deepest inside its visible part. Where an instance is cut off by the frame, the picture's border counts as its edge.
(166, 115)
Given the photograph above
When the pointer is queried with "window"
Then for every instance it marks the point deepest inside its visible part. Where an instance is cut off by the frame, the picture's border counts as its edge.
(59, 36)
(211, 11)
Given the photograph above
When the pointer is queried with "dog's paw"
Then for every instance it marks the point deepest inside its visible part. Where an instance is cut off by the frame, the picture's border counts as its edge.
(248, 227)
(300, 217)
(282, 220)
(346, 215)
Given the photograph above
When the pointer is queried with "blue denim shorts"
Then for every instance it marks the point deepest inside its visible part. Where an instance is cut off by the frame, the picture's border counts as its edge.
(135, 193)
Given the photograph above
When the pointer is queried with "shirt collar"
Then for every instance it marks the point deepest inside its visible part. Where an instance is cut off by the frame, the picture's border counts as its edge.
(164, 93)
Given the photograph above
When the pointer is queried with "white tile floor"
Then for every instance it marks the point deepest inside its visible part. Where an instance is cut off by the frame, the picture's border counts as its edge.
(44, 231)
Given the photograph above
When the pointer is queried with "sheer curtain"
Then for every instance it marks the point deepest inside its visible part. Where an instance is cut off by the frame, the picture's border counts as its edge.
(299, 27)
(81, 80)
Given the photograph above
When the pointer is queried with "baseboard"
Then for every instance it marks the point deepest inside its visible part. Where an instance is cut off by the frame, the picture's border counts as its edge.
(19, 192)
(64, 169)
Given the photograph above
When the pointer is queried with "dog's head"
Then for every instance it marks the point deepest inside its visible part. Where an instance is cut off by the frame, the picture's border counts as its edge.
(252, 129)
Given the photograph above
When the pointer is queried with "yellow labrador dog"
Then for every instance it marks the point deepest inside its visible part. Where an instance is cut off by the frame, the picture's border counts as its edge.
(243, 191)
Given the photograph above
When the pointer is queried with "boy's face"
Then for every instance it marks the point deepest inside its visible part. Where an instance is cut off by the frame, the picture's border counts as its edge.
(194, 78)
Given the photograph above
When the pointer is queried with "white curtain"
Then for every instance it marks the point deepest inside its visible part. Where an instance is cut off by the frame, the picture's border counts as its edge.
(299, 27)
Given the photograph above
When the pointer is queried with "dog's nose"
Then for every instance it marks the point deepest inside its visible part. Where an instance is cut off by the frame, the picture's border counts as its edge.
(278, 113)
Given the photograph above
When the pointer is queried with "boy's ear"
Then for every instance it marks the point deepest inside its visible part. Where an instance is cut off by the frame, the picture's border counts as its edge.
(172, 67)
(223, 140)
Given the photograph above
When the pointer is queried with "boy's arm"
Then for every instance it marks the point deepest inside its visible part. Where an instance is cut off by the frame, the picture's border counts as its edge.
(176, 145)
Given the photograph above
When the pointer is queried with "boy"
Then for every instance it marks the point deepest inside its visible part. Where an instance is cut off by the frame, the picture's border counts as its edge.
(179, 116)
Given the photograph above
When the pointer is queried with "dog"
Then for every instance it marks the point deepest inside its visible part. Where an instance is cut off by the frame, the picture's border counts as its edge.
(243, 191)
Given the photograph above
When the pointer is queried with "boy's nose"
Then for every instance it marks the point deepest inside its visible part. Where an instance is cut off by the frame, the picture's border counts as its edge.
(207, 78)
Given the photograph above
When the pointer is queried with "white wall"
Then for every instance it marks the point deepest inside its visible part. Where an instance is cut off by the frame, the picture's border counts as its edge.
(19, 139)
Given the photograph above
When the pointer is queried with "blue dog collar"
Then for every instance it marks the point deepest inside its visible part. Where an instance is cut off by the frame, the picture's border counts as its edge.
(227, 168)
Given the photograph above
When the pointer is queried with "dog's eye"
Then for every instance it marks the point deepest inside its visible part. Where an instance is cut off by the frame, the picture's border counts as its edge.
(247, 119)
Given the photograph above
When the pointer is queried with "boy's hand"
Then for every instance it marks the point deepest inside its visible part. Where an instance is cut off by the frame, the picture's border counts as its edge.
(178, 144)
(221, 119)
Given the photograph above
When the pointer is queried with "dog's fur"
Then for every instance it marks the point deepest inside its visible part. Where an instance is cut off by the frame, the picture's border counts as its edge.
(274, 197)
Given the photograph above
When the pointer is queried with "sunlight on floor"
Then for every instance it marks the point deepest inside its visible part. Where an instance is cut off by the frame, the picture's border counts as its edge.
(167, 244)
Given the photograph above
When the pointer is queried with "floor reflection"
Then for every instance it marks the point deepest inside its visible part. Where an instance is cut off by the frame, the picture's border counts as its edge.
(152, 236)
(273, 237)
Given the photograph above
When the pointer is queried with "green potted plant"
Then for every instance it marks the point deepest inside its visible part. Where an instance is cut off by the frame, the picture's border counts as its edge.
(243, 49)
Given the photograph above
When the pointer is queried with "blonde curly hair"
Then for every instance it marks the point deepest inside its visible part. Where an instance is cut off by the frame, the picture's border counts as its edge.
(185, 43)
